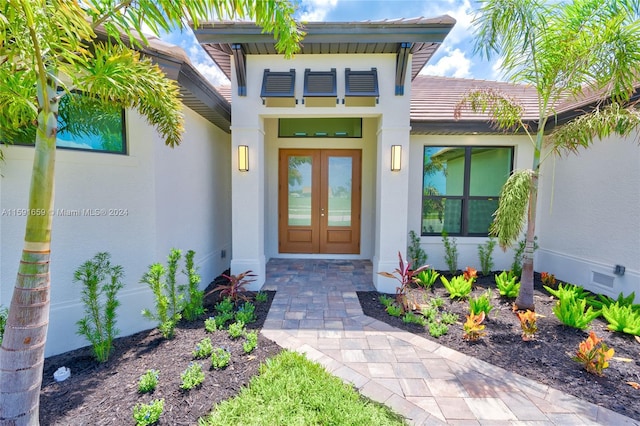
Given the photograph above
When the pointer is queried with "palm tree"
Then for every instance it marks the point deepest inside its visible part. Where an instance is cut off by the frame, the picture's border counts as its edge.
(48, 48)
(564, 50)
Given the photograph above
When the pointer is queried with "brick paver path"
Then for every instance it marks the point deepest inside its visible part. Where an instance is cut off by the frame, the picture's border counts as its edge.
(316, 312)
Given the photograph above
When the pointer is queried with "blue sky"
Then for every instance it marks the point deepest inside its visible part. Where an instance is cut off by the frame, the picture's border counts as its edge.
(454, 58)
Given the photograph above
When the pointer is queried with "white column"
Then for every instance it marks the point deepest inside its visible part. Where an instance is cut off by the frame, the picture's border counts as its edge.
(392, 197)
(248, 205)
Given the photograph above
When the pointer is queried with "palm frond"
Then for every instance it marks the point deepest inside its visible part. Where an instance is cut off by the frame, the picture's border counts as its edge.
(597, 124)
(504, 111)
(511, 215)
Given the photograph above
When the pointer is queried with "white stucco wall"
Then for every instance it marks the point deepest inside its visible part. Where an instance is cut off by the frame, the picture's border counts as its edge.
(467, 246)
(170, 198)
(588, 217)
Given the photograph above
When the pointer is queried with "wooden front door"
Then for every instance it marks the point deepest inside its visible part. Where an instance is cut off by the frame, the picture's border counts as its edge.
(319, 201)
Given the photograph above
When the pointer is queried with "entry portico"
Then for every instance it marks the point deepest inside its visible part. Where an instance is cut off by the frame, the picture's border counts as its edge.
(318, 131)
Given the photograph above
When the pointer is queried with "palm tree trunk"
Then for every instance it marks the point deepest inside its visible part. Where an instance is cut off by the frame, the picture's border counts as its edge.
(22, 352)
(525, 295)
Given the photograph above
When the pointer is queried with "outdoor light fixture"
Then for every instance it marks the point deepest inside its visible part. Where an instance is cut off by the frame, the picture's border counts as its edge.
(243, 158)
(396, 158)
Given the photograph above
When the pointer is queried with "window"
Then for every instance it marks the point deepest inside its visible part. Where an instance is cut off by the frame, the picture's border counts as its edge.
(335, 127)
(461, 187)
(85, 124)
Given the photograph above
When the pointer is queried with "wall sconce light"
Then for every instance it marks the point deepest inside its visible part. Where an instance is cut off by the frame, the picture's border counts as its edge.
(243, 158)
(396, 158)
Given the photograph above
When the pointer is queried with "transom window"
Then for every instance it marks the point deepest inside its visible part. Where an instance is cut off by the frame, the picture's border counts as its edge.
(461, 188)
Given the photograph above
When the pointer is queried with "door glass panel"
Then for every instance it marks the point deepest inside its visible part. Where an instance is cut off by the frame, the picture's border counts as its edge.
(339, 191)
(299, 177)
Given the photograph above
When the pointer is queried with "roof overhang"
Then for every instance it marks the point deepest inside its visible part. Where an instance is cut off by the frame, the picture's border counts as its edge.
(419, 37)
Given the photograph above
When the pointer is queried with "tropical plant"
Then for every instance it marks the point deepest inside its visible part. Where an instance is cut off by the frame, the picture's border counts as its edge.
(148, 381)
(602, 300)
(415, 253)
(573, 311)
(405, 275)
(481, 303)
(470, 274)
(594, 354)
(622, 318)
(450, 252)
(473, 329)
(148, 414)
(563, 49)
(507, 285)
(485, 253)
(235, 289)
(193, 303)
(50, 49)
(548, 280)
(427, 278)
(569, 290)
(191, 377)
(101, 282)
(528, 323)
(458, 287)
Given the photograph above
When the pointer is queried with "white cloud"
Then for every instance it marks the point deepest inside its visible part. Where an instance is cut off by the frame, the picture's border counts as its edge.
(462, 12)
(315, 10)
(454, 64)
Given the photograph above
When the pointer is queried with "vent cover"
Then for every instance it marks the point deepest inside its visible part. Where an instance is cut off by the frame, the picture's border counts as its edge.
(602, 279)
(320, 83)
(278, 84)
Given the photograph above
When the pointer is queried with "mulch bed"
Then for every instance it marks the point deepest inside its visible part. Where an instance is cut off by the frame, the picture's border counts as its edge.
(548, 358)
(105, 394)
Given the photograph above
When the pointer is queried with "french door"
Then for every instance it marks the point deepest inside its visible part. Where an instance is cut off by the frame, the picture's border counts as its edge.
(319, 201)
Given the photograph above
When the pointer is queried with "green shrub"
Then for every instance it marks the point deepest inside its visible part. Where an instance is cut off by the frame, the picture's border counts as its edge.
(458, 287)
(261, 297)
(427, 278)
(203, 349)
(450, 252)
(394, 310)
(148, 381)
(507, 285)
(602, 300)
(224, 306)
(386, 300)
(148, 414)
(101, 282)
(191, 377)
(485, 253)
(221, 320)
(411, 318)
(622, 318)
(220, 358)
(429, 313)
(4, 312)
(210, 325)
(193, 303)
(437, 329)
(246, 313)
(569, 290)
(251, 342)
(481, 303)
(415, 254)
(449, 318)
(236, 329)
(436, 302)
(572, 311)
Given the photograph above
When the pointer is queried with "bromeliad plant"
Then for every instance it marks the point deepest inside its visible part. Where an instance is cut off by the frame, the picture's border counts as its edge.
(458, 287)
(573, 312)
(426, 278)
(473, 329)
(594, 354)
(528, 323)
(481, 303)
(507, 285)
(405, 276)
(101, 282)
(622, 318)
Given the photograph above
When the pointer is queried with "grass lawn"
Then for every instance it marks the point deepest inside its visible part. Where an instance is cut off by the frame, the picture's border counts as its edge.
(291, 390)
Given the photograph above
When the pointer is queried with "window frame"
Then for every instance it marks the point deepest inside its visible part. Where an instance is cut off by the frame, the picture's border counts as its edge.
(465, 198)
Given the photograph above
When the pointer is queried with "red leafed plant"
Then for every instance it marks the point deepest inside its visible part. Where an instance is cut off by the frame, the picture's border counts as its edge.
(470, 274)
(405, 276)
(235, 288)
(594, 354)
(548, 279)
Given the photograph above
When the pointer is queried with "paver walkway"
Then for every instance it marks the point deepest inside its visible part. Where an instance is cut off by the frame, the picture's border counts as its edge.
(316, 312)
